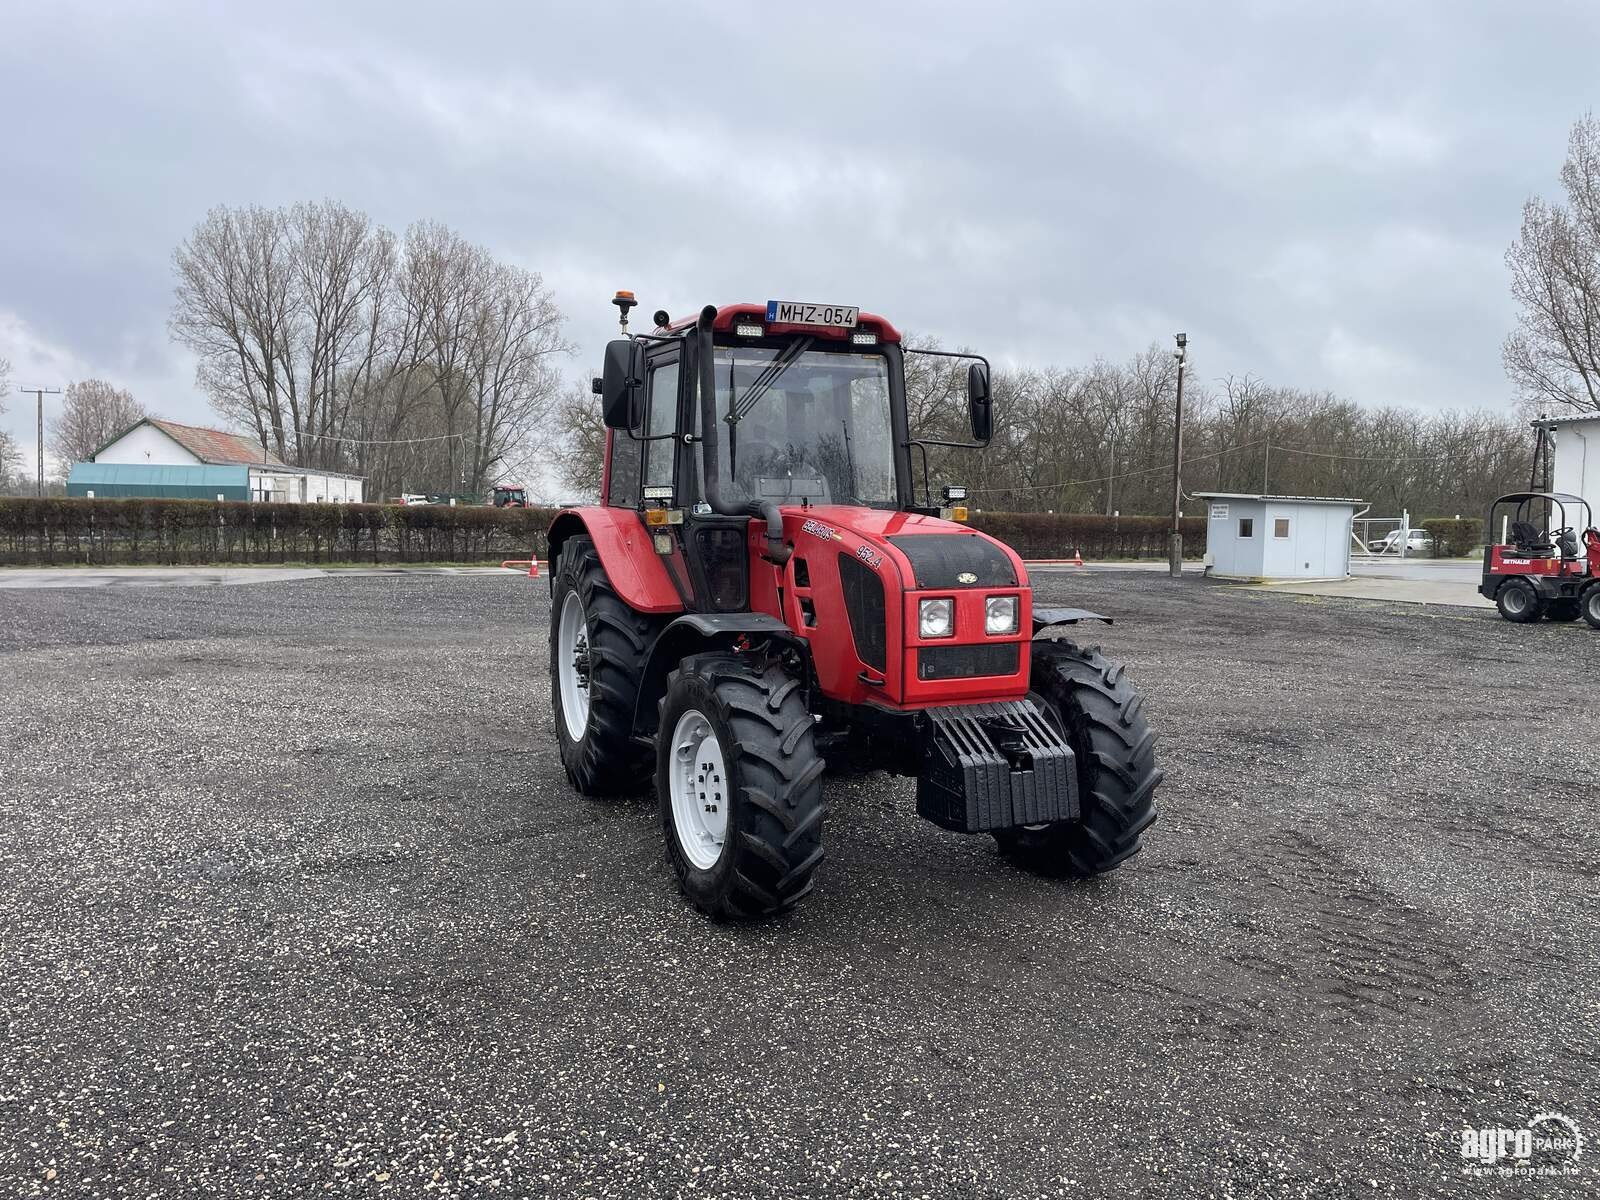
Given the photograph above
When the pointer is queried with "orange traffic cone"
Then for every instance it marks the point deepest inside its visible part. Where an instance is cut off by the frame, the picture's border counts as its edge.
(533, 566)
(1077, 556)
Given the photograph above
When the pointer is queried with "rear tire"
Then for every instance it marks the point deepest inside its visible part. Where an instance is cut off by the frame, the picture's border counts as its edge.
(1589, 603)
(740, 786)
(1117, 774)
(1563, 610)
(597, 651)
(1518, 601)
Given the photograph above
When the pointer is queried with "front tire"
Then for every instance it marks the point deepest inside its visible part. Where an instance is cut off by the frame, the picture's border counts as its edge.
(1589, 603)
(1518, 601)
(740, 786)
(1102, 714)
(597, 651)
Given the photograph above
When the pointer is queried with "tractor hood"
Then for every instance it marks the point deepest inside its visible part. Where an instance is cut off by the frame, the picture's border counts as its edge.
(929, 552)
(874, 568)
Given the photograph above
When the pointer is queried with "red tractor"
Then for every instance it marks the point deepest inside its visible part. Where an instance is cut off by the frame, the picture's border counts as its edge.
(762, 588)
(1539, 568)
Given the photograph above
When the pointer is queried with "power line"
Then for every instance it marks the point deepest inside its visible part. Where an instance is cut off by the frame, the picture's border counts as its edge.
(1385, 458)
(326, 437)
(1044, 487)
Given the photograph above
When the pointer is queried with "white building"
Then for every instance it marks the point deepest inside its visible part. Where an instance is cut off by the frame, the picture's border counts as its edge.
(1277, 537)
(168, 444)
(1575, 459)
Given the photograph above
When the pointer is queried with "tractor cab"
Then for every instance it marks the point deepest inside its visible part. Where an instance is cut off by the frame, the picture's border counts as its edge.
(768, 580)
(1546, 563)
(508, 496)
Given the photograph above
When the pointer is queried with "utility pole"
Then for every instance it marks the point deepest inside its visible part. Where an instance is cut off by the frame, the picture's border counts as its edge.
(39, 394)
(1111, 480)
(1175, 539)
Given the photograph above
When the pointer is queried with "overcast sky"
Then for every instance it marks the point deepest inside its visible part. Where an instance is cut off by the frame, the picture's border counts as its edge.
(1320, 195)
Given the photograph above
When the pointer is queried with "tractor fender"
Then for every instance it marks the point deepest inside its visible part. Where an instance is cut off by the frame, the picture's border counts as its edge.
(1044, 618)
(695, 633)
(623, 544)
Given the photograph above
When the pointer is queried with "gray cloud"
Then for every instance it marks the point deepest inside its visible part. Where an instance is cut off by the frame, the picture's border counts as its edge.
(1319, 196)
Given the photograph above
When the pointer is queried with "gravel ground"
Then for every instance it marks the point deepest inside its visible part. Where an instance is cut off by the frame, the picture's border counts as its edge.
(294, 899)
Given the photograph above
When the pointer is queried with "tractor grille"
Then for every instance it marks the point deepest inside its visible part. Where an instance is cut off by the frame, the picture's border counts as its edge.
(863, 600)
(939, 560)
(962, 662)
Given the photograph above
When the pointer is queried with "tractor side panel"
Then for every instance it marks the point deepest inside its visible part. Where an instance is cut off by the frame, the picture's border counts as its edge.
(631, 563)
(847, 609)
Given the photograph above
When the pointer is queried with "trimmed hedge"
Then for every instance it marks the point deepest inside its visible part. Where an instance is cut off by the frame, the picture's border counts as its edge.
(1454, 537)
(101, 532)
(1057, 535)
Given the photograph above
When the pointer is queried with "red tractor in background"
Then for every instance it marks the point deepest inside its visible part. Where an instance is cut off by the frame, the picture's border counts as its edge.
(1539, 568)
(762, 588)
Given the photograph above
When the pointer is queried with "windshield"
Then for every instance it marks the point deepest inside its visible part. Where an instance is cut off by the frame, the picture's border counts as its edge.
(804, 424)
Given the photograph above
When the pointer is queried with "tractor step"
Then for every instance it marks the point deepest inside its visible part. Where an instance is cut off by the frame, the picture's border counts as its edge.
(995, 766)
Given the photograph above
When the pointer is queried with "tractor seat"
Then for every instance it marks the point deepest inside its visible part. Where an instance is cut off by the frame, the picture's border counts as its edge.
(1528, 541)
(1567, 542)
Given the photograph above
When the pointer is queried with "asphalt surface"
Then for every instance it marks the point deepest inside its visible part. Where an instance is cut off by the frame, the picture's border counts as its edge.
(294, 900)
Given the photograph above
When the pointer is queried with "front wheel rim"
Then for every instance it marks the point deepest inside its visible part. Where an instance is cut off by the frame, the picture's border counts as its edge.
(698, 781)
(1516, 600)
(573, 665)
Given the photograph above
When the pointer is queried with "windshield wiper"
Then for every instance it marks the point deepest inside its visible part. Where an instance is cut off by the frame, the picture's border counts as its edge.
(739, 406)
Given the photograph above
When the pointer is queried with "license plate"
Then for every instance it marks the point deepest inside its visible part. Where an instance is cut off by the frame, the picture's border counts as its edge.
(792, 312)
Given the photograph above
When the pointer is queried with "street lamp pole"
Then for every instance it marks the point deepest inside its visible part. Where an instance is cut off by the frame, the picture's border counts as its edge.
(1175, 538)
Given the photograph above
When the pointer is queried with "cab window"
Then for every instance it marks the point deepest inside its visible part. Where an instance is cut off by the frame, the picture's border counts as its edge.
(663, 420)
(624, 490)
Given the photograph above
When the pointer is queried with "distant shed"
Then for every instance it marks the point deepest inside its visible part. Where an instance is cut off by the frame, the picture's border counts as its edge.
(1278, 537)
(106, 481)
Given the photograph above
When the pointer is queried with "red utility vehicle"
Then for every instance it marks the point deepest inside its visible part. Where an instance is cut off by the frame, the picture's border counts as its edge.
(762, 588)
(1541, 568)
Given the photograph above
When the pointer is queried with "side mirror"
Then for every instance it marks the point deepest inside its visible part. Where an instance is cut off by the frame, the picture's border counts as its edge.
(622, 385)
(980, 408)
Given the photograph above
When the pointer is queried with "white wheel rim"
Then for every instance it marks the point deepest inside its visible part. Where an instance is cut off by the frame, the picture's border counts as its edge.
(572, 666)
(698, 778)
(1516, 600)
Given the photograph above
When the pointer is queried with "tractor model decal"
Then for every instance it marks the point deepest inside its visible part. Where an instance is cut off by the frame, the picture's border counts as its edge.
(825, 532)
(869, 556)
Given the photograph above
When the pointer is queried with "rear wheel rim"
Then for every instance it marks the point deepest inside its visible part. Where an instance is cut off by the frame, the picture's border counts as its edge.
(698, 779)
(572, 665)
(1516, 600)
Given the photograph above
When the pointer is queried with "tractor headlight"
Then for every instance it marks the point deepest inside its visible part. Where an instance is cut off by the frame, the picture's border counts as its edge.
(936, 618)
(1000, 614)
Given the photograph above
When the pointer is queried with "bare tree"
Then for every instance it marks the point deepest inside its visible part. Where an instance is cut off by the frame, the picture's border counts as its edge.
(420, 364)
(92, 413)
(579, 449)
(516, 341)
(1553, 356)
(5, 381)
(235, 308)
